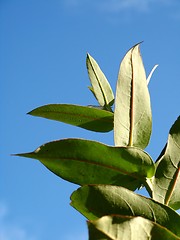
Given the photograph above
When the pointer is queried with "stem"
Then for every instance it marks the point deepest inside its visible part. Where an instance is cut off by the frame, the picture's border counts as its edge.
(168, 198)
(149, 185)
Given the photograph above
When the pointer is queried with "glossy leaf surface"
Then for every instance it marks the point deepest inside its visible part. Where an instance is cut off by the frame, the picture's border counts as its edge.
(132, 116)
(100, 85)
(85, 117)
(167, 177)
(95, 201)
(87, 162)
(119, 227)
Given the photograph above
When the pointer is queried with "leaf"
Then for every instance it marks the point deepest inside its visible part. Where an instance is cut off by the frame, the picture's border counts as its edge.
(132, 116)
(166, 185)
(95, 201)
(100, 85)
(85, 117)
(87, 162)
(151, 73)
(116, 227)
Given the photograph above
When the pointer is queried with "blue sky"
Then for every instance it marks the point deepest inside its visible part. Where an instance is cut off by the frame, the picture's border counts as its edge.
(43, 46)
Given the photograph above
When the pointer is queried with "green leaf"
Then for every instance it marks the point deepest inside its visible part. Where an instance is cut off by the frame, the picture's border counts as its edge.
(100, 85)
(116, 227)
(132, 116)
(89, 162)
(166, 184)
(85, 117)
(95, 201)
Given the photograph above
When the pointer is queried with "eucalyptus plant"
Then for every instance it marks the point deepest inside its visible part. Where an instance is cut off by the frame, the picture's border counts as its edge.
(109, 175)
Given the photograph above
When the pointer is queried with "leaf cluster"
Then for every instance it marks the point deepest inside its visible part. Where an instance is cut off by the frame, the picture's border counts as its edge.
(109, 175)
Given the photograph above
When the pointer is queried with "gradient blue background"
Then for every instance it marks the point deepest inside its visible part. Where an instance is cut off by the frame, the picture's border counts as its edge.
(43, 46)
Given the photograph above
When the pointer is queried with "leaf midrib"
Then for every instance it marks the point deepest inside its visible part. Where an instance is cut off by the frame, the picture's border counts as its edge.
(99, 83)
(98, 164)
(131, 105)
(105, 118)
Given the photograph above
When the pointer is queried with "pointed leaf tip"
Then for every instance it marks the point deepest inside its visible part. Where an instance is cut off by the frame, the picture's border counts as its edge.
(100, 85)
(85, 117)
(94, 163)
(132, 116)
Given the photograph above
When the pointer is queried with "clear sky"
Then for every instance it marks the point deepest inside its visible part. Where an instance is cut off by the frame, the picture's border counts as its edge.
(43, 46)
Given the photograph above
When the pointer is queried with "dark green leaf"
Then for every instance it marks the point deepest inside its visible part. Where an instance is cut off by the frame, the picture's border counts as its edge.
(132, 115)
(86, 162)
(85, 117)
(119, 227)
(95, 201)
(100, 85)
(166, 185)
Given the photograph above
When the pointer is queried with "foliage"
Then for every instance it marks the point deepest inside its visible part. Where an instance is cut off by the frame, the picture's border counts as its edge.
(109, 175)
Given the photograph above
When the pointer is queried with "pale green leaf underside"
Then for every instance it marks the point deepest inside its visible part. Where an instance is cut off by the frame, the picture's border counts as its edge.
(132, 116)
(119, 227)
(100, 85)
(166, 187)
(89, 162)
(99, 200)
(85, 117)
